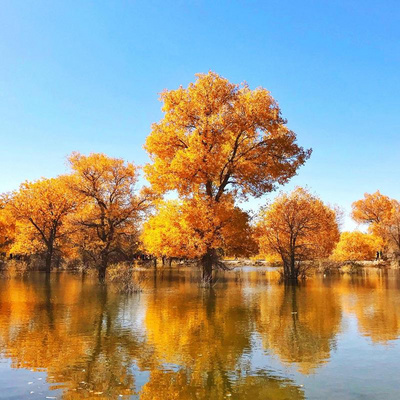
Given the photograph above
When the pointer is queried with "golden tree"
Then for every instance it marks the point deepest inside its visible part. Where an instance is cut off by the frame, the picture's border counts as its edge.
(185, 229)
(298, 227)
(372, 208)
(357, 246)
(112, 208)
(389, 229)
(41, 209)
(7, 225)
(219, 141)
(382, 215)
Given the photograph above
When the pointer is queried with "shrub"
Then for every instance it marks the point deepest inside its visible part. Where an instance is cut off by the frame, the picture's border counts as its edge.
(16, 267)
(122, 276)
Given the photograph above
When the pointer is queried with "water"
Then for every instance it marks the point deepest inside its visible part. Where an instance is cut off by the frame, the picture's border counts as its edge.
(248, 338)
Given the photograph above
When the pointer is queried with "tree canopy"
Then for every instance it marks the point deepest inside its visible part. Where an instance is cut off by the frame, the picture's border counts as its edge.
(112, 209)
(382, 215)
(41, 209)
(218, 142)
(299, 228)
(357, 246)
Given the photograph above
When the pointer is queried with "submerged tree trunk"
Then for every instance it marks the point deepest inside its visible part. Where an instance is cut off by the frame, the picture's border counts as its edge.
(103, 267)
(102, 272)
(49, 258)
(290, 271)
(293, 269)
(207, 262)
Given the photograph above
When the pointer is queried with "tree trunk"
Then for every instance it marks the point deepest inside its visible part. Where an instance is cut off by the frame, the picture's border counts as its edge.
(103, 267)
(207, 263)
(49, 257)
(102, 273)
(293, 270)
(290, 272)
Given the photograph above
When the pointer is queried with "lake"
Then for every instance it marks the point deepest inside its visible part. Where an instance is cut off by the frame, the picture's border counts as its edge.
(249, 337)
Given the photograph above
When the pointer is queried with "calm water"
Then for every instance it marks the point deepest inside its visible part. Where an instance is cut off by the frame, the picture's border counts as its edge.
(248, 338)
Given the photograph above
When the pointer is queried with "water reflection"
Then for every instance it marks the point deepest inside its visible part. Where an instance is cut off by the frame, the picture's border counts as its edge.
(180, 385)
(299, 324)
(374, 298)
(178, 341)
(70, 329)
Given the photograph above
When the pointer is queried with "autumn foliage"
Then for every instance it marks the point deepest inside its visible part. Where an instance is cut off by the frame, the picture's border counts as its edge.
(41, 209)
(188, 228)
(111, 208)
(7, 225)
(217, 142)
(372, 209)
(299, 228)
(382, 215)
(94, 213)
(357, 246)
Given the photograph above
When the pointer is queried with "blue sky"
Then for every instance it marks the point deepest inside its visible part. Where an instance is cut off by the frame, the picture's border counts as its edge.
(85, 76)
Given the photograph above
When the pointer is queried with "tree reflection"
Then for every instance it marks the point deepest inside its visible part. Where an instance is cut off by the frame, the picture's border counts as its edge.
(375, 300)
(179, 385)
(178, 341)
(299, 324)
(194, 343)
(72, 331)
(201, 340)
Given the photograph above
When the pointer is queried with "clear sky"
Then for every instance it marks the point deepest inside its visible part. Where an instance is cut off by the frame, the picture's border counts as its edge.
(85, 76)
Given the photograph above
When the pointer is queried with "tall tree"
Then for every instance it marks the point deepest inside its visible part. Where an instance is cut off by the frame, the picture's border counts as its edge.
(41, 209)
(112, 208)
(219, 141)
(298, 227)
